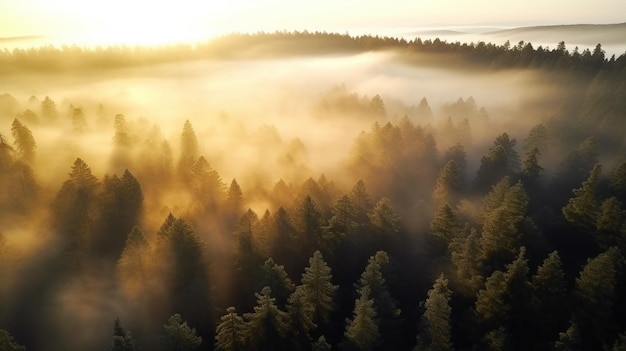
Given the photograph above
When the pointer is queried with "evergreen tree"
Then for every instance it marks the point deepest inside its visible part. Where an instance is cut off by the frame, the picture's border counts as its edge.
(231, 332)
(189, 150)
(448, 184)
(49, 109)
(500, 161)
(549, 296)
(7, 342)
(132, 266)
(361, 200)
(490, 301)
(610, 223)
(384, 217)
(309, 222)
(122, 340)
(178, 336)
(435, 330)
(24, 142)
(467, 258)
(267, 325)
(581, 209)
(234, 197)
(318, 288)
(569, 340)
(321, 345)
(445, 225)
(79, 123)
(206, 184)
(301, 314)
(596, 294)
(617, 182)
(457, 154)
(531, 170)
(275, 277)
(537, 139)
(362, 330)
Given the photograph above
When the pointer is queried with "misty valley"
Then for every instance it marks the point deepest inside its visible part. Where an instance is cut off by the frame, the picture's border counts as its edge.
(313, 191)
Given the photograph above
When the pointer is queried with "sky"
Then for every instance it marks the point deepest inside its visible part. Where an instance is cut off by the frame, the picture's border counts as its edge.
(154, 21)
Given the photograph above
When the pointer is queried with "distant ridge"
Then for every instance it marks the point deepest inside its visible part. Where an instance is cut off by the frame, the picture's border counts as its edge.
(21, 38)
(581, 34)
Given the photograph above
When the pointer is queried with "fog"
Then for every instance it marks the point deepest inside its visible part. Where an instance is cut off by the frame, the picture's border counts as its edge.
(258, 121)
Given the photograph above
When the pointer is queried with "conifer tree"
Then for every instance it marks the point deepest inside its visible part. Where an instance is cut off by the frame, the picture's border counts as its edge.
(234, 197)
(189, 150)
(25, 144)
(531, 170)
(549, 296)
(384, 217)
(435, 330)
(318, 288)
(610, 223)
(309, 222)
(362, 203)
(275, 277)
(581, 209)
(467, 258)
(321, 345)
(8, 343)
(178, 336)
(362, 330)
(132, 266)
(301, 314)
(448, 184)
(267, 325)
(49, 109)
(122, 339)
(231, 332)
(569, 340)
(445, 224)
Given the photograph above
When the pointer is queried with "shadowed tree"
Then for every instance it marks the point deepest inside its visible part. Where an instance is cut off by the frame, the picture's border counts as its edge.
(362, 330)
(206, 184)
(435, 329)
(122, 340)
(7, 343)
(321, 345)
(79, 123)
(49, 110)
(500, 161)
(569, 340)
(596, 295)
(384, 217)
(581, 210)
(549, 297)
(537, 138)
(610, 224)
(25, 144)
(275, 277)
(231, 332)
(178, 336)
(309, 222)
(267, 325)
(189, 150)
(467, 258)
(318, 288)
(361, 201)
(132, 266)
(448, 184)
(301, 313)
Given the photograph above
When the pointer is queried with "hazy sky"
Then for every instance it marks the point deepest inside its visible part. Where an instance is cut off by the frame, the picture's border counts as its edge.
(156, 21)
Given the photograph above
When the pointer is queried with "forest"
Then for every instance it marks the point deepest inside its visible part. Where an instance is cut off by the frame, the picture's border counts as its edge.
(313, 191)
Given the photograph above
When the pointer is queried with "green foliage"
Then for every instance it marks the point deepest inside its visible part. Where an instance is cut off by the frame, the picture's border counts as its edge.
(178, 336)
(435, 329)
(189, 150)
(7, 343)
(384, 217)
(448, 184)
(445, 224)
(581, 210)
(362, 330)
(550, 295)
(231, 332)
(610, 224)
(24, 142)
(268, 325)
(500, 161)
(318, 288)
(569, 340)
(275, 277)
(122, 340)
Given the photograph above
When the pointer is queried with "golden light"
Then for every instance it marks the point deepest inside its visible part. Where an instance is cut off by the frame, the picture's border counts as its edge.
(145, 22)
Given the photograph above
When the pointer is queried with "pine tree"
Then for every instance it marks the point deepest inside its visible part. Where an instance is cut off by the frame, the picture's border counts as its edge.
(467, 258)
(435, 329)
(7, 342)
(189, 150)
(49, 109)
(318, 288)
(275, 277)
(24, 142)
(581, 209)
(569, 340)
(362, 203)
(362, 330)
(234, 197)
(596, 293)
(301, 314)
(122, 339)
(309, 222)
(549, 296)
(537, 139)
(531, 170)
(231, 332)
(267, 325)
(132, 266)
(206, 184)
(178, 336)
(445, 224)
(448, 184)
(321, 345)
(609, 224)
(384, 217)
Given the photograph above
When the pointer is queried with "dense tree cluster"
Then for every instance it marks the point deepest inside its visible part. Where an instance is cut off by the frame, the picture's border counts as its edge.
(419, 247)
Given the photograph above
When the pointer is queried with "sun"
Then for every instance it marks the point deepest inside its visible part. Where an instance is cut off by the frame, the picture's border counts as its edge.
(143, 22)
